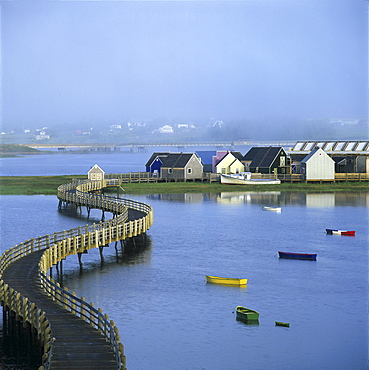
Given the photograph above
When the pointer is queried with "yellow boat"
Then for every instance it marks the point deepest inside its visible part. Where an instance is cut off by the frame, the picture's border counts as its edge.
(225, 280)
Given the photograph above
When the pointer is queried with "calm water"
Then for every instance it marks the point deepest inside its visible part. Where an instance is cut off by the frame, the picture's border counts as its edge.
(170, 318)
(167, 315)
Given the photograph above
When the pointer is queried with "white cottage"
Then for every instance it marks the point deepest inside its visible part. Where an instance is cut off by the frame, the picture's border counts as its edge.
(96, 173)
(318, 165)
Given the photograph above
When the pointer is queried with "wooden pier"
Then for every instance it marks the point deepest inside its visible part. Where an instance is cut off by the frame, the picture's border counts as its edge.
(72, 333)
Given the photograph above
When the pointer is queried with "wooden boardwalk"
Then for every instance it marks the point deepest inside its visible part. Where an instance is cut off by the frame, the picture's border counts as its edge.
(77, 345)
(74, 334)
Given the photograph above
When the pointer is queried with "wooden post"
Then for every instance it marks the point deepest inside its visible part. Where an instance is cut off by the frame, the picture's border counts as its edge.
(80, 259)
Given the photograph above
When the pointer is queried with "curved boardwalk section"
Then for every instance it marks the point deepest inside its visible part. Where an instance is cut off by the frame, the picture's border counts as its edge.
(73, 333)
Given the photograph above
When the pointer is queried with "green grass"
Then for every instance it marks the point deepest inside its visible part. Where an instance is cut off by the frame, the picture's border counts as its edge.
(33, 185)
(47, 185)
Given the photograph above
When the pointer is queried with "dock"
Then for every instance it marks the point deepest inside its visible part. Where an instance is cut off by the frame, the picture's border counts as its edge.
(72, 333)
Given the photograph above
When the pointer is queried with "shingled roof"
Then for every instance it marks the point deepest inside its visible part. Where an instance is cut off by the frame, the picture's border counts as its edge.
(262, 156)
(171, 159)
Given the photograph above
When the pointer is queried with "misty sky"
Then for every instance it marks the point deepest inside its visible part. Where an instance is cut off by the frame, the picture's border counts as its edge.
(66, 62)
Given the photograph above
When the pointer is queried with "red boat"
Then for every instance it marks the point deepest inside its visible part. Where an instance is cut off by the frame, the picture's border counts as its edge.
(340, 232)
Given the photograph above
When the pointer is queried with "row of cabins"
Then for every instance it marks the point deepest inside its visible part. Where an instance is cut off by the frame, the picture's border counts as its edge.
(315, 164)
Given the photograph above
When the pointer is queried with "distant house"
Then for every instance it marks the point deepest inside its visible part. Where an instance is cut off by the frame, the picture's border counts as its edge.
(266, 160)
(166, 129)
(230, 163)
(175, 166)
(318, 165)
(95, 173)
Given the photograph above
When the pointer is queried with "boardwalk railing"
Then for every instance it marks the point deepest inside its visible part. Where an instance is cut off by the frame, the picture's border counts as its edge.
(62, 244)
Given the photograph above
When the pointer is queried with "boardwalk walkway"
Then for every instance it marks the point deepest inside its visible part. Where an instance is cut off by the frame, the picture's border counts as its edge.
(77, 344)
(74, 334)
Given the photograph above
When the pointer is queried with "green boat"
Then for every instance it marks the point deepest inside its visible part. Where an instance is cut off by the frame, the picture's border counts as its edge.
(280, 323)
(246, 314)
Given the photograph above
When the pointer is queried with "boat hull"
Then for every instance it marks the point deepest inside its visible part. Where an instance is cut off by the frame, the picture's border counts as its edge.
(280, 323)
(225, 280)
(299, 256)
(274, 209)
(232, 180)
(246, 314)
(340, 232)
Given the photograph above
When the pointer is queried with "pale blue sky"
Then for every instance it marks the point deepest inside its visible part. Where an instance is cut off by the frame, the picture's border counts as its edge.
(66, 62)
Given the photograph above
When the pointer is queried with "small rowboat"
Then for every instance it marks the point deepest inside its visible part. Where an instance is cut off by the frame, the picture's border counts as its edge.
(225, 280)
(246, 314)
(275, 209)
(340, 232)
(280, 323)
(299, 256)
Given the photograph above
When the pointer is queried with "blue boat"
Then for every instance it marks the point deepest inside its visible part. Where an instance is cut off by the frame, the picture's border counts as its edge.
(298, 256)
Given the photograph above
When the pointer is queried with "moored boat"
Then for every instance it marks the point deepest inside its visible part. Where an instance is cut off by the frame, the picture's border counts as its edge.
(226, 280)
(340, 232)
(275, 209)
(244, 178)
(299, 256)
(280, 323)
(246, 314)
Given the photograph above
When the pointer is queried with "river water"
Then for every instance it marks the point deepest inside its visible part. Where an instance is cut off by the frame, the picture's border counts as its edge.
(170, 318)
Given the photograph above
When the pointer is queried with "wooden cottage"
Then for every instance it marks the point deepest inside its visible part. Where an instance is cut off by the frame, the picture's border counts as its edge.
(175, 166)
(95, 173)
(268, 160)
(230, 163)
(318, 165)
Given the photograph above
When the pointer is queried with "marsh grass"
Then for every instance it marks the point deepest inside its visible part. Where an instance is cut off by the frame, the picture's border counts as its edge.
(33, 185)
(47, 185)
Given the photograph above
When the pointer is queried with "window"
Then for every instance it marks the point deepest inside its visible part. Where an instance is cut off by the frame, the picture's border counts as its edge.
(189, 170)
(282, 161)
(223, 170)
(170, 170)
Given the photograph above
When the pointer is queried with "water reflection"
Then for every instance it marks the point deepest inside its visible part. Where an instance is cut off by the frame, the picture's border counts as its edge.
(134, 251)
(273, 198)
(248, 322)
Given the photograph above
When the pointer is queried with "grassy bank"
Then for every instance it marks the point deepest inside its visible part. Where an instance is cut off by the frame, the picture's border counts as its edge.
(13, 150)
(47, 185)
(33, 185)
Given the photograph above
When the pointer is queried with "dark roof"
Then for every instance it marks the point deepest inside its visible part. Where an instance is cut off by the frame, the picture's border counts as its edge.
(153, 156)
(171, 159)
(176, 159)
(262, 156)
(237, 155)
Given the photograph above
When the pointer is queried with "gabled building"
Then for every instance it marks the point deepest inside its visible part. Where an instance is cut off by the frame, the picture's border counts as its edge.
(268, 160)
(95, 173)
(153, 165)
(318, 165)
(230, 163)
(175, 166)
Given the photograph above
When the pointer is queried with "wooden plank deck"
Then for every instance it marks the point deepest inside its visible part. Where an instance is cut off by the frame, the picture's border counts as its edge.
(77, 345)
(74, 343)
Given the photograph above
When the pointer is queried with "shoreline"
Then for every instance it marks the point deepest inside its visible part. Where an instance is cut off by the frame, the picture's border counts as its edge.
(47, 185)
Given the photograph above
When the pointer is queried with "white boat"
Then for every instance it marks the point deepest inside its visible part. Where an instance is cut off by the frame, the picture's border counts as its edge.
(244, 178)
(275, 209)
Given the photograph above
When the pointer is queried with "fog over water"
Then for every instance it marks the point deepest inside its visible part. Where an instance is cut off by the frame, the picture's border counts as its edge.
(90, 62)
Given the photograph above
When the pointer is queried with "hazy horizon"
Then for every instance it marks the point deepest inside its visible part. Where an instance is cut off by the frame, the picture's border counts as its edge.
(64, 62)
